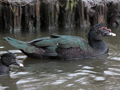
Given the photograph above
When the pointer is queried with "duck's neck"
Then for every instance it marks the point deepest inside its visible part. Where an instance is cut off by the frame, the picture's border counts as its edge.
(99, 46)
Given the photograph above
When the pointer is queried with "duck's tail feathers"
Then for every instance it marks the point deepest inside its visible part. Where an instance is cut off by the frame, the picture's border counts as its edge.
(16, 43)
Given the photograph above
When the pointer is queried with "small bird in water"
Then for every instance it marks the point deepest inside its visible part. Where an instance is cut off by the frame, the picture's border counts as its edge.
(6, 60)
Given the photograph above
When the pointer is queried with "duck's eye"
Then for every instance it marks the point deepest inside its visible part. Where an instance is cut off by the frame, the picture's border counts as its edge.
(102, 28)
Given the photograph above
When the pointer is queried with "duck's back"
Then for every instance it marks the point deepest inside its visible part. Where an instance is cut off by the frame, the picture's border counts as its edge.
(70, 47)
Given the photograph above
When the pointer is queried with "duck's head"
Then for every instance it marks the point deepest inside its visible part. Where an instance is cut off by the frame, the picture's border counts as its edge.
(10, 58)
(97, 31)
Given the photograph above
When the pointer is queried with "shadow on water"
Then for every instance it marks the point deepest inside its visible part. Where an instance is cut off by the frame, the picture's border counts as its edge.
(101, 73)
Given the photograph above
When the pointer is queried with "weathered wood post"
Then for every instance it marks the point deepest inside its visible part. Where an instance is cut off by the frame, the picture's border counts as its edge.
(24, 15)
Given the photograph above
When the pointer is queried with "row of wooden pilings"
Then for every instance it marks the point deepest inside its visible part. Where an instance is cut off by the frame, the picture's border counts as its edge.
(36, 14)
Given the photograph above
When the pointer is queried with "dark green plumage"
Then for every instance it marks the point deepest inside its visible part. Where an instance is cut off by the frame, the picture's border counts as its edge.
(46, 47)
(66, 46)
(72, 47)
(67, 41)
(38, 48)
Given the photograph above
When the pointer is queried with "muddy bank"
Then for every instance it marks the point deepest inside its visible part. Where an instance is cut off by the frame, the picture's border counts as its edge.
(35, 14)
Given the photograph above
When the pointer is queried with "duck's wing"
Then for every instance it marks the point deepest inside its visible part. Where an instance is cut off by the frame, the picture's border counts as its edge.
(44, 45)
(72, 47)
(43, 42)
(49, 44)
(67, 41)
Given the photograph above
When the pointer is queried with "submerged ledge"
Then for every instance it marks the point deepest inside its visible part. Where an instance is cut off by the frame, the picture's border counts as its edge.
(34, 14)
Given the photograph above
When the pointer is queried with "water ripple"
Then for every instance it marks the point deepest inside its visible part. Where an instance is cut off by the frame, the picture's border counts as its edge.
(22, 56)
(115, 58)
(19, 74)
(114, 69)
(86, 71)
(58, 82)
(77, 74)
(83, 80)
(2, 52)
(15, 51)
(69, 85)
(3, 88)
(100, 78)
(87, 67)
(1, 46)
(28, 80)
(110, 73)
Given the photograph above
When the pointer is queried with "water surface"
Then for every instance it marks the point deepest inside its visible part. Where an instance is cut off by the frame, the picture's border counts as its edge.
(102, 73)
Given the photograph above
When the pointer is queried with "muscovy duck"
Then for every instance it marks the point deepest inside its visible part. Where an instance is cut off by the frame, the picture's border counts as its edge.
(6, 60)
(66, 46)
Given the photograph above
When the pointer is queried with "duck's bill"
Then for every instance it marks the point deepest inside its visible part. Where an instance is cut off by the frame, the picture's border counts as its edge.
(19, 64)
(111, 34)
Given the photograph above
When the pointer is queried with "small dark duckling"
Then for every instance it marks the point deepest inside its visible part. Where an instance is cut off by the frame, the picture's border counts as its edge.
(6, 60)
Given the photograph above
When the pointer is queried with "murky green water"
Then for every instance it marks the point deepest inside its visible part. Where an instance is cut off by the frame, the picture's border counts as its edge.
(101, 73)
